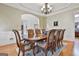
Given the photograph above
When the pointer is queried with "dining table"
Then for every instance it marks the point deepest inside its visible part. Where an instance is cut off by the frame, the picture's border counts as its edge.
(36, 39)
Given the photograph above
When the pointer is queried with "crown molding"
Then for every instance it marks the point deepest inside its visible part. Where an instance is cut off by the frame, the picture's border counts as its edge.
(18, 6)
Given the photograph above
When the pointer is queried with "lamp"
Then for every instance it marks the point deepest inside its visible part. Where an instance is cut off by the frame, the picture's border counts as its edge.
(46, 9)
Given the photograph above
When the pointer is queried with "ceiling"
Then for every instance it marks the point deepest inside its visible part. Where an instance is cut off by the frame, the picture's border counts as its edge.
(35, 8)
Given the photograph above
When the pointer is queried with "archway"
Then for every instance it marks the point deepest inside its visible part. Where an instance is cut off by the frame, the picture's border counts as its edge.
(29, 21)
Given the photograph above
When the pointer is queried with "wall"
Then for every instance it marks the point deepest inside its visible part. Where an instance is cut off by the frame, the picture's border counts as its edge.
(43, 22)
(66, 21)
(10, 18)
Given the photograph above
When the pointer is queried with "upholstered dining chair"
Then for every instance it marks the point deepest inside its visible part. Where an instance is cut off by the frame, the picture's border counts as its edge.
(38, 32)
(57, 34)
(61, 37)
(30, 33)
(51, 40)
(20, 43)
(50, 44)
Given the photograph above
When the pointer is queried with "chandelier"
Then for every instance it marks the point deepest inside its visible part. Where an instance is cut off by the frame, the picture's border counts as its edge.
(46, 9)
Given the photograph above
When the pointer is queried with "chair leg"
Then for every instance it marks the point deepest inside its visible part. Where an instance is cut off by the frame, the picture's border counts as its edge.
(58, 44)
(61, 43)
(23, 53)
(54, 47)
(34, 51)
(52, 50)
(19, 53)
(45, 52)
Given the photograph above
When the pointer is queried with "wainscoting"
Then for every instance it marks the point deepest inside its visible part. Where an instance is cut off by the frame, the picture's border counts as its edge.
(7, 37)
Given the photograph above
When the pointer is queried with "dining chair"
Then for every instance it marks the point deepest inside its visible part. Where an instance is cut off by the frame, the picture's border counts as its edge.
(20, 43)
(51, 40)
(30, 33)
(50, 43)
(57, 34)
(38, 32)
(61, 37)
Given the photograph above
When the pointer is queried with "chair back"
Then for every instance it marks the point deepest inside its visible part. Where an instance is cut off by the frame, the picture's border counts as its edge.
(30, 33)
(61, 34)
(57, 34)
(38, 32)
(18, 38)
(51, 37)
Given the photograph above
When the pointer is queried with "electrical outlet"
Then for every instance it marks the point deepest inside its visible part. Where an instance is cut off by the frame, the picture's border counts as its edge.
(11, 38)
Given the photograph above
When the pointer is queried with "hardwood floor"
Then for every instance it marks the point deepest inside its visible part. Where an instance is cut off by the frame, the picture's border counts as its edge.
(69, 50)
(11, 49)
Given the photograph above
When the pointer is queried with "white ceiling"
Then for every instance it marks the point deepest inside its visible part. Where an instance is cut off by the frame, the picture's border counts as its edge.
(35, 8)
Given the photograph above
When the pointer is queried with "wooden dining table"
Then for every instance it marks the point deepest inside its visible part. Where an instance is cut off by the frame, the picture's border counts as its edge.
(36, 39)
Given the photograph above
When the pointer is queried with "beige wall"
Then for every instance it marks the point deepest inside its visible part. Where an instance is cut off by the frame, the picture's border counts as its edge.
(10, 18)
(65, 20)
(43, 22)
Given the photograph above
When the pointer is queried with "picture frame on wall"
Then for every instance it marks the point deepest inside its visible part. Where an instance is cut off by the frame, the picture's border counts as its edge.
(55, 23)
